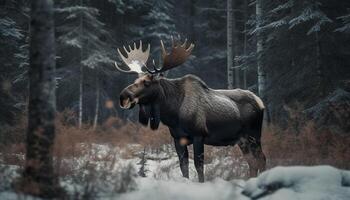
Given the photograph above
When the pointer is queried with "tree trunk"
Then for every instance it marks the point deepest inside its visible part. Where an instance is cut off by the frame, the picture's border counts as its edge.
(259, 50)
(81, 72)
(245, 43)
(229, 45)
(81, 82)
(260, 57)
(97, 106)
(235, 47)
(319, 70)
(38, 177)
(192, 20)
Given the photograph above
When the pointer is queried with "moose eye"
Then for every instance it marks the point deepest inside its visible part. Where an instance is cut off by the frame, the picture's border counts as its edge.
(147, 83)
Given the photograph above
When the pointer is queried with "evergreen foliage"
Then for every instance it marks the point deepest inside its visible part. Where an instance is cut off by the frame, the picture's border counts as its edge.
(306, 47)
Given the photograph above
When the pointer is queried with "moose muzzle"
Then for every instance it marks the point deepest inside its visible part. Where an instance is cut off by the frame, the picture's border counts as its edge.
(127, 100)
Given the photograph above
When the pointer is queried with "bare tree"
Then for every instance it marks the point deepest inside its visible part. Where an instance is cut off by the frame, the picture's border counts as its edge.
(319, 69)
(81, 71)
(97, 101)
(260, 49)
(38, 177)
(232, 47)
(245, 42)
(230, 55)
(260, 58)
(235, 32)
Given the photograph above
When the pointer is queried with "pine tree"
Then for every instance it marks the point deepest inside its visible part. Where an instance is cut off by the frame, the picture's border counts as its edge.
(82, 30)
(211, 40)
(41, 128)
(345, 28)
(160, 20)
(291, 18)
(160, 26)
(10, 42)
(143, 163)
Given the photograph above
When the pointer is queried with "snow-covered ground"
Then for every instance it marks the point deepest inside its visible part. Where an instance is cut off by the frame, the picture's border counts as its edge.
(279, 183)
(109, 175)
(309, 183)
(219, 189)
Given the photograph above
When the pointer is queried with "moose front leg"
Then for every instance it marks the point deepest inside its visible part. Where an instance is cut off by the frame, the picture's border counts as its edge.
(182, 153)
(198, 151)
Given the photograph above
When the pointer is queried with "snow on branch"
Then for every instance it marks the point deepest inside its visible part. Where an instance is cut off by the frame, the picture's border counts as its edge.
(8, 28)
(310, 14)
(346, 24)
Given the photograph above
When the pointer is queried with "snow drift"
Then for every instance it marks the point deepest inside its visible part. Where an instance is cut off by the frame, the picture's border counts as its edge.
(309, 183)
(287, 183)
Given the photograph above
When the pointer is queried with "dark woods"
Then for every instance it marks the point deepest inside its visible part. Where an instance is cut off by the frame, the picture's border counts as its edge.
(303, 51)
(294, 54)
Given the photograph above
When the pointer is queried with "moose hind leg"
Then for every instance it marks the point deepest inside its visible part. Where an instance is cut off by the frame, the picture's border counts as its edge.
(260, 157)
(182, 153)
(252, 151)
(198, 151)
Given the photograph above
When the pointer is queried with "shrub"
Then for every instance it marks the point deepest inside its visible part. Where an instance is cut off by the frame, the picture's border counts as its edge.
(305, 146)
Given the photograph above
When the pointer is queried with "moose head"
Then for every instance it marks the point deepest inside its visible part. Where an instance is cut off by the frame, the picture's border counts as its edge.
(146, 89)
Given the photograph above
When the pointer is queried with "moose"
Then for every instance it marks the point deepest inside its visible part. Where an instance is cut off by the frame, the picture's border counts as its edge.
(194, 113)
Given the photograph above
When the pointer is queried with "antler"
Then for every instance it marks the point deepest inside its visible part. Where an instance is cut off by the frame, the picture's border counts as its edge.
(177, 56)
(136, 58)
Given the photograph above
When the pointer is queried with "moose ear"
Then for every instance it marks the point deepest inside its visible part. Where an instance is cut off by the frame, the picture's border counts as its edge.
(144, 114)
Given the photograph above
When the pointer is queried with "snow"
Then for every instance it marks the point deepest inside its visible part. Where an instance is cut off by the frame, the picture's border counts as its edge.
(8, 29)
(309, 183)
(164, 180)
(287, 183)
(181, 188)
(7, 174)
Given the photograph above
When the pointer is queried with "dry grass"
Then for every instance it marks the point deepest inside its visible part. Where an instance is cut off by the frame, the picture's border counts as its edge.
(304, 145)
(307, 146)
(78, 162)
(69, 138)
(113, 132)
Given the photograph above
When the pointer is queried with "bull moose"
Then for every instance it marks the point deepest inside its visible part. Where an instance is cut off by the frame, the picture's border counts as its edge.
(194, 113)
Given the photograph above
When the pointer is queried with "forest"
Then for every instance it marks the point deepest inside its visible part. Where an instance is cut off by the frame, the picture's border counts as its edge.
(65, 134)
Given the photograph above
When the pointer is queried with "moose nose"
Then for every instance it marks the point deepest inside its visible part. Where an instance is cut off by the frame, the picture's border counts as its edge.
(126, 97)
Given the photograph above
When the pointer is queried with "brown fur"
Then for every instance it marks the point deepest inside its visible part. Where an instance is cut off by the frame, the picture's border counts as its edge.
(201, 115)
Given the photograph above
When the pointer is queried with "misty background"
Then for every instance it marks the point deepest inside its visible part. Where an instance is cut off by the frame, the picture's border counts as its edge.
(305, 55)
